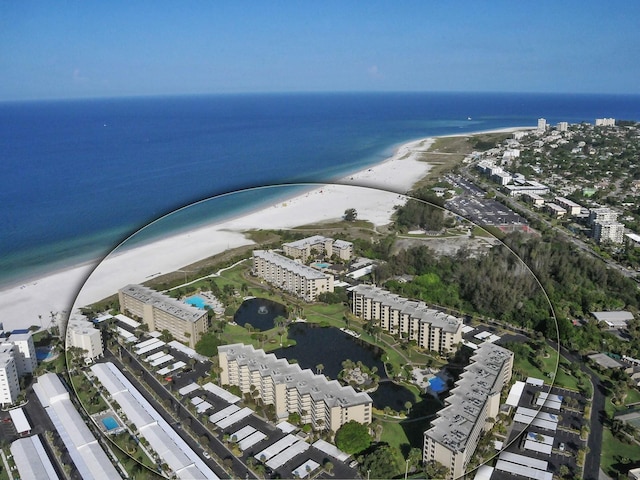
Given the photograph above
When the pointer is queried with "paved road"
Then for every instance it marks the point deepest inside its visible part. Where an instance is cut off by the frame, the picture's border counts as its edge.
(598, 416)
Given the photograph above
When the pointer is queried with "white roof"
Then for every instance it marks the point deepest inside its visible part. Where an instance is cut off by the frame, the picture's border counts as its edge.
(90, 460)
(483, 472)
(515, 393)
(537, 447)
(302, 471)
(31, 459)
(523, 470)
(288, 454)
(234, 418)
(128, 321)
(467, 329)
(161, 360)
(221, 392)
(538, 437)
(251, 440)
(190, 352)
(243, 433)
(203, 407)
(331, 449)
(286, 427)
(535, 381)
(19, 420)
(275, 448)
(192, 387)
(223, 413)
(171, 368)
(523, 460)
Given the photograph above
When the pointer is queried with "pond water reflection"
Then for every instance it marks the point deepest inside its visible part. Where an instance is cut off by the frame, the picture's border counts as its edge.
(329, 347)
(259, 313)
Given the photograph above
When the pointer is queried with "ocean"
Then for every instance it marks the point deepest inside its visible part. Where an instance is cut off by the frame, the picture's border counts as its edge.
(80, 176)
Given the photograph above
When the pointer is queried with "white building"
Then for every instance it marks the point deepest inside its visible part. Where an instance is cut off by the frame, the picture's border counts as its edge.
(542, 125)
(454, 434)
(24, 352)
(291, 276)
(572, 207)
(82, 334)
(303, 248)
(602, 214)
(605, 122)
(563, 126)
(9, 384)
(608, 232)
(32, 460)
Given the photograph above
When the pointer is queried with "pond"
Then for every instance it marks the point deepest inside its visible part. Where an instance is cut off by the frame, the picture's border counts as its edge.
(259, 313)
(330, 347)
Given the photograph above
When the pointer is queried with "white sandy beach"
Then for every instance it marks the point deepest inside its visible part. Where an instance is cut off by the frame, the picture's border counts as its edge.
(373, 192)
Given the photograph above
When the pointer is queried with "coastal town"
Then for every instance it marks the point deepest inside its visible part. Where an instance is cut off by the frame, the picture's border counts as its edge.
(446, 342)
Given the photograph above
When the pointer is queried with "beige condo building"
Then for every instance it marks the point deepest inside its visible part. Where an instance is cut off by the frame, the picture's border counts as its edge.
(160, 312)
(291, 276)
(431, 329)
(454, 434)
(303, 248)
(320, 402)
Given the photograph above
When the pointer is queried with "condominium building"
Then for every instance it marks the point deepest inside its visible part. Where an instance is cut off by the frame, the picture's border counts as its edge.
(81, 333)
(160, 312)
(320, 402)
(542, 125)
(563, 126)
(608, 232)
(602, 214)
(24, 353)
(555, 210)
(572, 207)
(454, 434)
(605, 122)
(290, 275)
(321, 245)
(431, 329)
(9, 383)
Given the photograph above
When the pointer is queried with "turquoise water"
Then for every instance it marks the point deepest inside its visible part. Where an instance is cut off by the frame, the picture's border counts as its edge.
(437, 384)
(322, 265)
(196, 301)
(109, 423)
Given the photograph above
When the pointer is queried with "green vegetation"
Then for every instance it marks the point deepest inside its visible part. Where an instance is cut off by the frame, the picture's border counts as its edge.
(353, 437)
(382, 462)
(88, 395)
(617, 456)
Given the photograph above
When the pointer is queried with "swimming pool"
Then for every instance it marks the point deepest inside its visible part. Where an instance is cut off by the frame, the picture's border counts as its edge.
(43, 353)
(322, 265)
(437, 384)
(196, 301)
(109, 423)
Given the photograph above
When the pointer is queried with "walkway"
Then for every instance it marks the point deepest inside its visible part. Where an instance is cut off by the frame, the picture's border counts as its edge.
(211, 275)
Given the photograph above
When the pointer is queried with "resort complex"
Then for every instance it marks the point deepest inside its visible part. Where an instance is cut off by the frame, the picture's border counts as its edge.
(83, 335)
(185, 323)
(290, 389)
(318, 244)
(290, 275)
(431, 329)
(454, 434)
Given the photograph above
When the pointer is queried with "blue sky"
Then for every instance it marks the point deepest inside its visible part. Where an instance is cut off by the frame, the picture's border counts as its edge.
(116, 48)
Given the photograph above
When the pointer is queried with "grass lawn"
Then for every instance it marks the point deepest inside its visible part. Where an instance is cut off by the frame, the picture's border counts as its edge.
(613, 451)
(87, 393)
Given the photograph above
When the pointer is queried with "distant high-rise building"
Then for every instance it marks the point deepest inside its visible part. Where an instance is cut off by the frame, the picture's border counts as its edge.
(542, 125)
(602, 214)
(563, 126)
(605, 122)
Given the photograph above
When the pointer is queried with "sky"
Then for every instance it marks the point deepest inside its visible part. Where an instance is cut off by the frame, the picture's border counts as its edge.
(73, 49)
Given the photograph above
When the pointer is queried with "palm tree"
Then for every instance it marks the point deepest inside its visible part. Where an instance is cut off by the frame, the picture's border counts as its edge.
(319, 368)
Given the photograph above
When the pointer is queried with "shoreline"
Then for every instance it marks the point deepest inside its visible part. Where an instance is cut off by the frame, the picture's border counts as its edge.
(373, 191)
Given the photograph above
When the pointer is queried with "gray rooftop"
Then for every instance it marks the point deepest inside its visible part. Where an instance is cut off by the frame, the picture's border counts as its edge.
(305, 242)
(457, 420)
(305, 381)
(419, 310)
(163, 302)
(288, 264)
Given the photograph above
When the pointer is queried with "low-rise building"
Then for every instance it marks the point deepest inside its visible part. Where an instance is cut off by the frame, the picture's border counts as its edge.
(160, 312)
(454, 434)
(431, 329)
(533, 198)
(320, 402)
(304, 248)
(290, 275)
(572, 208)
(555, 210)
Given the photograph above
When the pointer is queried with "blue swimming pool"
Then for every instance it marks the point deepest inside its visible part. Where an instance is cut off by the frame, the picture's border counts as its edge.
(196, 301)
(322, 265)
(109, 423)
(43, 353)
(437, 384)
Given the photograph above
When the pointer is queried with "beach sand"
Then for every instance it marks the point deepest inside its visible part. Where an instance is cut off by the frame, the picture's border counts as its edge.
(373, 192)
